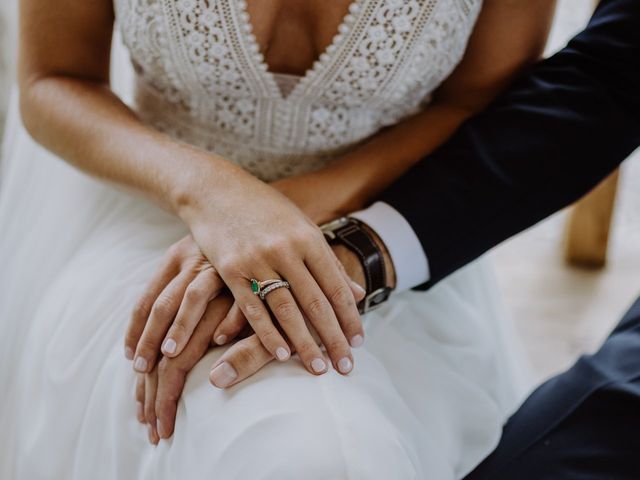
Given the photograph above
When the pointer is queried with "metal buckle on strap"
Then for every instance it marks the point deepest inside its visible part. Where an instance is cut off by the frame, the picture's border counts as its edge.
(329, 228)
(375, 299)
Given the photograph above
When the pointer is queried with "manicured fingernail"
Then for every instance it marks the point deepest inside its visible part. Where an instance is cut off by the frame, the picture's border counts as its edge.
(345, 365)
(318, 365)
(140, 412)
(356, 341)
(223, 375)
(128, 353)
(221, 339)
(282, 353)
(140, 365)
(359, 288)
(169, 346)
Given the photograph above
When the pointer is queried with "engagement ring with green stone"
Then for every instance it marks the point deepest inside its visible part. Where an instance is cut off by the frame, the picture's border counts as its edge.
(263, 288)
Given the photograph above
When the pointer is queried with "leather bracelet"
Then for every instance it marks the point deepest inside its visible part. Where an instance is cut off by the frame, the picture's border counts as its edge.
(351, 233)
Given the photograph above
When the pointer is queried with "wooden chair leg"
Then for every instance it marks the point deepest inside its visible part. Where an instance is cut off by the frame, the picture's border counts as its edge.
(589, 224)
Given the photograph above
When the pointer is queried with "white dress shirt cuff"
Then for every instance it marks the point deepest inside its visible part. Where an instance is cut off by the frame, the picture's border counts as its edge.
(409, 259)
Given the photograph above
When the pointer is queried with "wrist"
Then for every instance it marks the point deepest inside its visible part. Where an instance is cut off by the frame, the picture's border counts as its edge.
(353, 265)
(361, 172)
(186, 186)
(204, 181)
(347, 184)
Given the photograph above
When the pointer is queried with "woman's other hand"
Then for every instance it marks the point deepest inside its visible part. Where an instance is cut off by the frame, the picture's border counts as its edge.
(173, 303)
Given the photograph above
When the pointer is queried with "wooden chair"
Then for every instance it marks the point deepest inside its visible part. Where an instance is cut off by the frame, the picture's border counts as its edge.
(589, 224)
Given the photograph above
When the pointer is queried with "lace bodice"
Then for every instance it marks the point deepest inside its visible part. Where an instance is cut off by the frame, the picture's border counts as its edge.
(201, 78)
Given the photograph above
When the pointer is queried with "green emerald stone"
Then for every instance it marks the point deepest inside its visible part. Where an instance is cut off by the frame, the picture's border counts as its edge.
(255, 286)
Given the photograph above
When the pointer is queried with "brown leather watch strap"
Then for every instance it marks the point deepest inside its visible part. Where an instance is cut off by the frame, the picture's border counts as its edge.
(351, 233)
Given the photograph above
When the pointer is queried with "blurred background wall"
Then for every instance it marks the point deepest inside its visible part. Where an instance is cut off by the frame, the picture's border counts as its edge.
(559, 311)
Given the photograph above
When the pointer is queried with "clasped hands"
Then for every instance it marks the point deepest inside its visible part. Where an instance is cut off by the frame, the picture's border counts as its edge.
(201, 297)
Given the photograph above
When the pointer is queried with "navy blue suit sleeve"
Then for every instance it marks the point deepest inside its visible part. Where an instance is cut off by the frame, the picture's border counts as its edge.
(547, 140)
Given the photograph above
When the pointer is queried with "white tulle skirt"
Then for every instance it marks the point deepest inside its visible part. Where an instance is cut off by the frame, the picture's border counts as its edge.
(432, 386)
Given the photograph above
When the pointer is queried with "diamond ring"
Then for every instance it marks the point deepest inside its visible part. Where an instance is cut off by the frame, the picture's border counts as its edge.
(263, 288)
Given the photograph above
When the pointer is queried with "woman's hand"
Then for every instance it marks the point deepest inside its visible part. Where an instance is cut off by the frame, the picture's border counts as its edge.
(248, 230)
(248, 356)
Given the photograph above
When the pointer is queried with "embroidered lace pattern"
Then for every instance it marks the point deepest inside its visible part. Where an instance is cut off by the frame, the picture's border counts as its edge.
(201, 78)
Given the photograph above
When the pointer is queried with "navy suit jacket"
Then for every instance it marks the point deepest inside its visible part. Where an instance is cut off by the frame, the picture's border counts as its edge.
(561, 128)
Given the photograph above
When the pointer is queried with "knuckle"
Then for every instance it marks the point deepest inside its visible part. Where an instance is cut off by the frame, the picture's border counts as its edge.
(317, 308)
(244, 356)
(341, 296)
(337, 346)
(266, 248)
(253, 312)
(141, 309)
(307, 349)
(285, 310)
(180, 248)
(273, 251)
(353, 326)
(267, 338)
(172, 252)
(230, 268)
(147, 345)
(194, 293)
(162, 307)
(178, 329)
(300, 240)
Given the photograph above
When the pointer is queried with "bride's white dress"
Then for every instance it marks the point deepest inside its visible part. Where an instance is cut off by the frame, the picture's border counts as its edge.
(437, 375)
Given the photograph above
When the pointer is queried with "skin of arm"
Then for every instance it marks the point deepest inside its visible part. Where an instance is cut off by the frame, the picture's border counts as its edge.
(509, 36)
(67, 106)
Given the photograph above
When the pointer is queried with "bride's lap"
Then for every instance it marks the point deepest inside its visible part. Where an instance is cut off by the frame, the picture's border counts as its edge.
(285, 423)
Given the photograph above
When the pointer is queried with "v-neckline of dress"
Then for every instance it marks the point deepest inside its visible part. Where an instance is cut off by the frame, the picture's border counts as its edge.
(321, 63)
